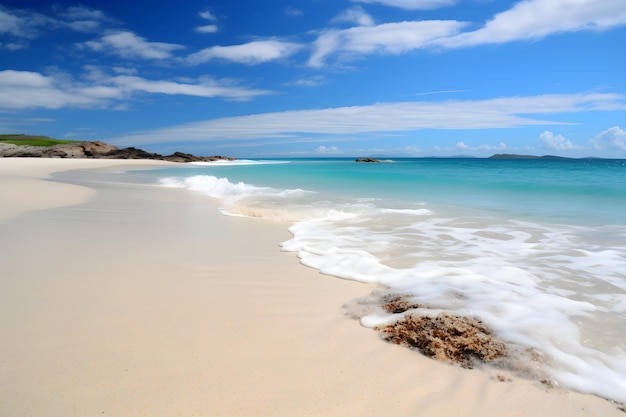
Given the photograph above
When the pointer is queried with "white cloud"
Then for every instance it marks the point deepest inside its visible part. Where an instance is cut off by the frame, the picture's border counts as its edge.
(82, 18)
(501, 146)
(206, 88)
(387, 38)
(312, 81)
(252, 53)
(412, 4)
(327, 149)
(77, 13)
(128, 45)
(484, 147)
(23, 25)
(292, 11)
(386, 117)
(528, 19)
(212, 28)
(12, 25)
(355, 15)
(13, 46)
(613, 138)
(207, 29)
(557, 142)
(534, 19)
(207, 15)
(25, 90)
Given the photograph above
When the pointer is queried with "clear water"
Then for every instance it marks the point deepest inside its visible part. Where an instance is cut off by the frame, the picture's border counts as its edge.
(535, 248)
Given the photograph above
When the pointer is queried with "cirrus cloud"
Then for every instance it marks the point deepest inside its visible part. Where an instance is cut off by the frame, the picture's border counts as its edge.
(535, 19)
(128, 45)
(22, 25)
(385, 117)
(387, 38)
(28, 90)
(411, 4)
(355, 15)
(212, 28)
(526, 20)
(251, 53)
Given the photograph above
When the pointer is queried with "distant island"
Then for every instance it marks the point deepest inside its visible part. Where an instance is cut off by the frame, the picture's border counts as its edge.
(515, 156)
(27, 146)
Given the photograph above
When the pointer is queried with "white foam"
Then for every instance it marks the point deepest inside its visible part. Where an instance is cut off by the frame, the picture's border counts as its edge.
(213, 186)
(520, 279)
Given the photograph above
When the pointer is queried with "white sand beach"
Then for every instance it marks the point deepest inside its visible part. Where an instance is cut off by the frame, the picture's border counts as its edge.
(136, 300)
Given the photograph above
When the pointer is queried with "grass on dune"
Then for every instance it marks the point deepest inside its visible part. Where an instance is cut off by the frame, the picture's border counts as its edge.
(18, 139)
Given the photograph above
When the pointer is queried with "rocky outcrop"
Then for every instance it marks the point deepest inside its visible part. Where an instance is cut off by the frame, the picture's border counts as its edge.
(366, 160)
(97, 150)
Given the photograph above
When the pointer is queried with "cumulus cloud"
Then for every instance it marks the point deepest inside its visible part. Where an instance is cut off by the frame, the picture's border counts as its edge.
(484, 147)
(386, 117)
(534, 19)
(252, 53)
(28, 90)
(499, 147)
(411, 4)
(613, 138)
(557, 142)
(327, 149)
(387, 38)
(128, 45)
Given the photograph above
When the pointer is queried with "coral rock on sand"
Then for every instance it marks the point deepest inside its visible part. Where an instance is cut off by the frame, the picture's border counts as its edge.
(457, 339)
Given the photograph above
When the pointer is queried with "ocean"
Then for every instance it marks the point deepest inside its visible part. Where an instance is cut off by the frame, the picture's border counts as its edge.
(533, 248)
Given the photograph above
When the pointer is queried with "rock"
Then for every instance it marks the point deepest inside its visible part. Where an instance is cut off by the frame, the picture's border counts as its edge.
(461, 340)
(366, 160)
(97, 150)
(456, 339)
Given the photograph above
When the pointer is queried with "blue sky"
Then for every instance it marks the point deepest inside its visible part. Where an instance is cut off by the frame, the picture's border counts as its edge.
(279, 78)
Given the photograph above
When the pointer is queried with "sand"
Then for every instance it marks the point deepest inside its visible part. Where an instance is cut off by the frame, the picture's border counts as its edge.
(136, 300)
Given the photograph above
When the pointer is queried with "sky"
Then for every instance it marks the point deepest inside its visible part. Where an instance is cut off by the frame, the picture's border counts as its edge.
(319, 78)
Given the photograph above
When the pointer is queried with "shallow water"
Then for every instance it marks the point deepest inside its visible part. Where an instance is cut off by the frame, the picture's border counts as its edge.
(535, 248)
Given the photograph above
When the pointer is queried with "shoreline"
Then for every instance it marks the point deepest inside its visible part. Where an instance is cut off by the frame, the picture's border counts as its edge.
(128, 299)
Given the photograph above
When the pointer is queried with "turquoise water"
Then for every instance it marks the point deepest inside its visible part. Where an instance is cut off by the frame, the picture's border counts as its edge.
(535, 248)
(584, 191)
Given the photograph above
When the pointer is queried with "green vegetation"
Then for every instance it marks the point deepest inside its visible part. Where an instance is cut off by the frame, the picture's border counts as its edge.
(31, 140)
